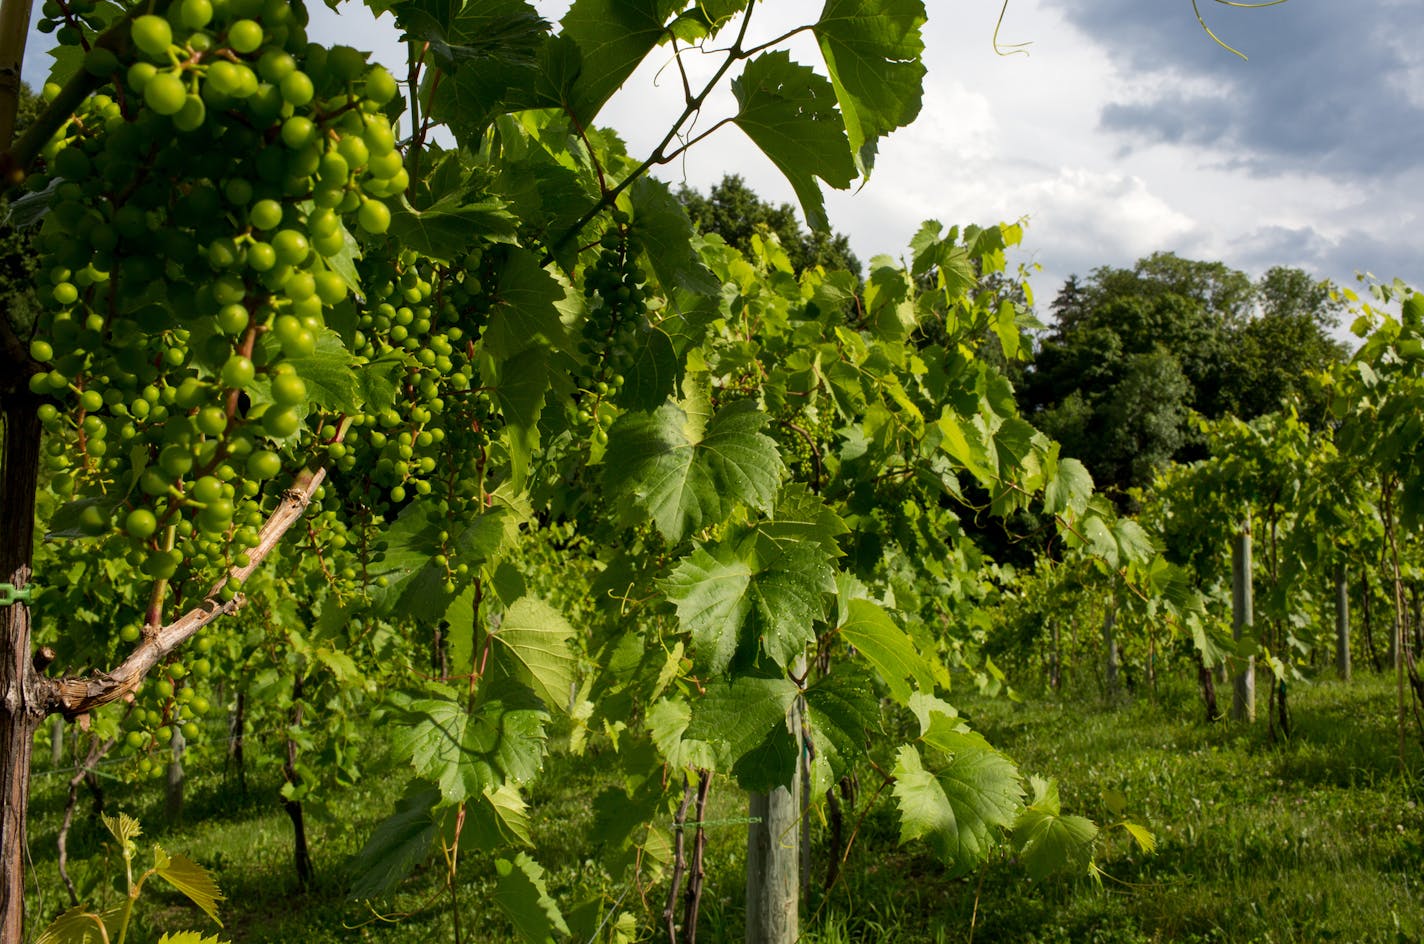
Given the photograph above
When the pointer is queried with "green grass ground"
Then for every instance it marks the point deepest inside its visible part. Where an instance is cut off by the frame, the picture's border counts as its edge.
(1319, 839)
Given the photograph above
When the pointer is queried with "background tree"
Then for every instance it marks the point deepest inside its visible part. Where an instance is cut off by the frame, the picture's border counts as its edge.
(733, 211)
(1133, 352)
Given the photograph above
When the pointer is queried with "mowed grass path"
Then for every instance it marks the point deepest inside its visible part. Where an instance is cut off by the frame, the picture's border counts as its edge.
(1316, 839)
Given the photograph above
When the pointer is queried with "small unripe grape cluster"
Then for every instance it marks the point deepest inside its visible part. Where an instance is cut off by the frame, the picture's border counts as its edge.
(616, 291)
(203, 208)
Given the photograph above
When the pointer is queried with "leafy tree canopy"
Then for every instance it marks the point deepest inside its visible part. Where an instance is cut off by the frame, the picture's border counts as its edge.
(733, 211)
(1134, 352)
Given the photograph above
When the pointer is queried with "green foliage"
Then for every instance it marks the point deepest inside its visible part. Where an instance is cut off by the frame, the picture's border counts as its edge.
(82, 925)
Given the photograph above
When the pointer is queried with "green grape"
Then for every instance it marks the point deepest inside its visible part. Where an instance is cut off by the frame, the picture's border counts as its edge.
(281, 423)
(264, 464)
(238, 372)
(275, 65)
(374, 217)
(261, 257)
(288, 390)
(196, 14)
(164, 93)
(191, 116)
(140, 524)
(245, 36)
(152, 35)
(380, 85)
(267, 214)
(291, 247)
(211, 420)
(297, 88)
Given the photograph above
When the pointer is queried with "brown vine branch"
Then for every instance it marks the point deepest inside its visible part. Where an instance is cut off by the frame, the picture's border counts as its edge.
(74, 696)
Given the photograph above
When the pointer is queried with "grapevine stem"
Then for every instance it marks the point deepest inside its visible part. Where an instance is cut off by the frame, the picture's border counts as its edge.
(659, 155)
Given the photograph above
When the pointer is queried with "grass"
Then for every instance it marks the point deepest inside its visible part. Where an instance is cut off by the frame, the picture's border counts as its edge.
(1319, 839)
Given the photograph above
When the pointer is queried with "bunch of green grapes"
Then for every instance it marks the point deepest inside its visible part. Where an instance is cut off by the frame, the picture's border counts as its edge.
(616, 291)
(203, 208)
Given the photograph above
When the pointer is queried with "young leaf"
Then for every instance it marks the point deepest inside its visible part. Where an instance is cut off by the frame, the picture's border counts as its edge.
(191, 879)
(521, 892)
(790, 113)
(189, 937)
(78, 925)
(873, 50)
(497, 819)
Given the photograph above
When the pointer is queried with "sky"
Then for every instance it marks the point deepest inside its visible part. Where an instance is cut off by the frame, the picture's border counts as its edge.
(1124, 130)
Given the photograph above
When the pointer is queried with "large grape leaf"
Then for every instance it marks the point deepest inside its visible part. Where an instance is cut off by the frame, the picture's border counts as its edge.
(458, 31)
(730, 599)
(873, 53)
(520, 891)
(521, 386)
(536, 637)
(686, 472)
(957, 805)
(841, 711)
(886, 647)
(1048, 841)
(466, 752)
(526, 313)
(801, 516)
(790, 113)
(789, 596)
(738, 726)
(613, 37)
(399, 843)
(450, 226)
(667, 238)
(710, 594)
(1068, 489)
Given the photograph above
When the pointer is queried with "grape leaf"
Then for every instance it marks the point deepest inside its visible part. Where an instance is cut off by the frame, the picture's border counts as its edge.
(710, 594)
(743, 725)
(1069, 489)
(522, 385)
(450, 226)
(399, 843)
(191, 879)
(465, 753)
(497, 820)
(667, 238)
(841, 710)
(886, 647)
(790, 113)
(526, 313)
(458, 31)
(730, 600)
(613, 37)
(520, 891)
(686, 472)
(1048, 841)
(537, 636)
(873, 52)
(956, 807)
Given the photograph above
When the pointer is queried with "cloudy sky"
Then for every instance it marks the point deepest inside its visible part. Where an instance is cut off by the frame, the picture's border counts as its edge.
(1125, 130)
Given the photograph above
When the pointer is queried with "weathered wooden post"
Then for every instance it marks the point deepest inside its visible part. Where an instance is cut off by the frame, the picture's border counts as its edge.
(1243, 698)
(1342, 622)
